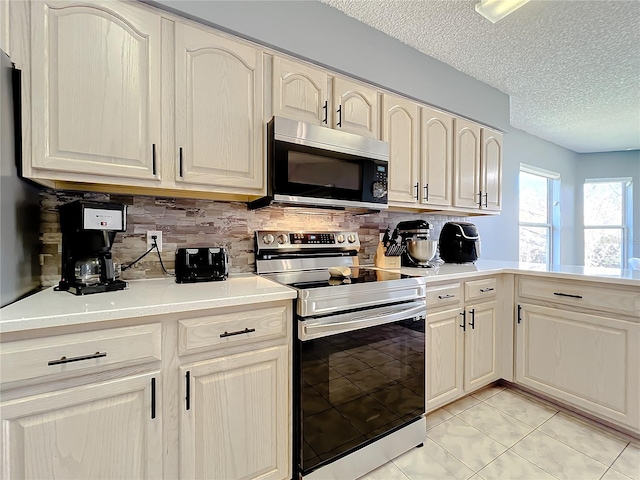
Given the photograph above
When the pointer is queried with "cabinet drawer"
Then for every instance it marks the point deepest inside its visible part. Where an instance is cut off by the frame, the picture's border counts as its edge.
(233, 328)
(79, 352)
(582, 294)
(443, 295)
(480, 289)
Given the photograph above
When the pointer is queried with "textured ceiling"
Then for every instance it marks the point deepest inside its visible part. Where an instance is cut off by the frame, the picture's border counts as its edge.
(570, 67)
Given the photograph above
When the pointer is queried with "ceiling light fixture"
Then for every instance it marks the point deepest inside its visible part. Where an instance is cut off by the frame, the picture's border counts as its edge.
(494, 10)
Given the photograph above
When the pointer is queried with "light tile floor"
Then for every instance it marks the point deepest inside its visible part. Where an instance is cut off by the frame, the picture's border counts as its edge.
(500, 434)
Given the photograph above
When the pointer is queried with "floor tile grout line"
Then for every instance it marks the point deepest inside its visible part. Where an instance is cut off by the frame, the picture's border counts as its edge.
(572, 448)
(616, 459)
(532, 463)
(583, 453)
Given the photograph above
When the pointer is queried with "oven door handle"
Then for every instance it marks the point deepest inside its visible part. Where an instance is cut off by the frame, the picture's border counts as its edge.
(309, 330)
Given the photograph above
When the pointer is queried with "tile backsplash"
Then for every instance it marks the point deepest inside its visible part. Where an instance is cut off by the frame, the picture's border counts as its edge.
(188, 222)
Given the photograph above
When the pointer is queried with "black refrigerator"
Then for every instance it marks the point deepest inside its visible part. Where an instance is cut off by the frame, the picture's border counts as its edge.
(19, 199)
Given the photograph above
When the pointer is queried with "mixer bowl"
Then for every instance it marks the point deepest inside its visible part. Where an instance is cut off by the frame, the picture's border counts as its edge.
(421, 249)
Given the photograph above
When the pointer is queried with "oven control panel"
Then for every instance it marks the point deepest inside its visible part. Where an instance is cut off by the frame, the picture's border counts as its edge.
(269, 240)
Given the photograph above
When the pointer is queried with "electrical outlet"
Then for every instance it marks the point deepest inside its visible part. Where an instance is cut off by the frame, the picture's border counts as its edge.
(158, 235)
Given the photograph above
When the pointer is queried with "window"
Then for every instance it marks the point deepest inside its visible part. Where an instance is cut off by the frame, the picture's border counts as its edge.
(538, 203)
(607, 211)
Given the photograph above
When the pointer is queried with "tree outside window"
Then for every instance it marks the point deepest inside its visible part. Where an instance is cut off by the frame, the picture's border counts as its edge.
(606, 210)
(538, 189)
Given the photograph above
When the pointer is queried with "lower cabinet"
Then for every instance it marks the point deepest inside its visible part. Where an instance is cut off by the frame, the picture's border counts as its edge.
(235, 420)
(589, 361)
(103, 430)
(461, 352)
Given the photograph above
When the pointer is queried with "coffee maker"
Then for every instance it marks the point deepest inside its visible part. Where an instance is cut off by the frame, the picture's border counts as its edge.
(418, 248)
(88, 231)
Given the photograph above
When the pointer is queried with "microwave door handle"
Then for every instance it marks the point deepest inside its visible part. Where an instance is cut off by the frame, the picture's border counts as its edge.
(311, 331)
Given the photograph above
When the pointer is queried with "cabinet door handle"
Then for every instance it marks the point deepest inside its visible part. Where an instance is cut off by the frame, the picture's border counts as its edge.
(479, 198)
(426, 192)
(442, 297)
(153, 158)
(239, 332)
(77, 359)
(417, 187)
(180, 164)
(519, 313)
(464, 320)
(472, 323)
(339, 124)
(567, 295)
(486, 199)
(187, 397)
(153, 398)
(326, 111)
(485, 290)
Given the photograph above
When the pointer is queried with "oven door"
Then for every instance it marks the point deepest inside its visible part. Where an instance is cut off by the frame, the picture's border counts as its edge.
(361, 378)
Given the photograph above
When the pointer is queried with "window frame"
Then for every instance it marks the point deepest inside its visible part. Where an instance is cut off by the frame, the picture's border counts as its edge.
(553, 213)
(624, 227)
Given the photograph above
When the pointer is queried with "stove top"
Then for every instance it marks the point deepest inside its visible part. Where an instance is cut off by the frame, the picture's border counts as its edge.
(320, 278)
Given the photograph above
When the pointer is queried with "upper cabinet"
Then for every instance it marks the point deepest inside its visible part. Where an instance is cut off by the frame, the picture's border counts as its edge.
(477, 167)
(436, 157)
(355, 108)
(300, 92)
(95, 73)
(401, 128)
(491, 182)
(219, 125)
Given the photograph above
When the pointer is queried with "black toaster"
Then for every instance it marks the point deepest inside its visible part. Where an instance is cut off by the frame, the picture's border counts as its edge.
(203, 264)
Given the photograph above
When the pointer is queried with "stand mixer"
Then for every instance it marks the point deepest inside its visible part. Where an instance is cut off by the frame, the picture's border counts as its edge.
(419, 249)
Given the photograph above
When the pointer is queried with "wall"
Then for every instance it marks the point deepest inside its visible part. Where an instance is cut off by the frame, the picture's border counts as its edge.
(608, 165)
(186, 222)
(500, 234)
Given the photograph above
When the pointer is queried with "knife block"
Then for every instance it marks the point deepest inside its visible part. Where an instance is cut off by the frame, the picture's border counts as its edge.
(382, 261)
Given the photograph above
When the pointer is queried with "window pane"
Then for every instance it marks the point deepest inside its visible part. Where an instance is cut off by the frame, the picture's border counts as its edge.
(603, 203)
(602, 247)
(533, 198)
(534, 244)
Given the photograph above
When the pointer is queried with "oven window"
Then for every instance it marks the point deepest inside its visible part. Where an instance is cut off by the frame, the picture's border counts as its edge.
(359, 385)
(316, 170)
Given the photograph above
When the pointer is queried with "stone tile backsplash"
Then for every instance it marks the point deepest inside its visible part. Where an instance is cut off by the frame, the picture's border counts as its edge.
(189, 222)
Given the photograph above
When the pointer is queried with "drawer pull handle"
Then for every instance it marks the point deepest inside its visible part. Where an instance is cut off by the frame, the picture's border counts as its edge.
(567, 295)
(77, 359)
(464, 320)
(485, 290)
(442, 297)
(472, 323)
(239, 332)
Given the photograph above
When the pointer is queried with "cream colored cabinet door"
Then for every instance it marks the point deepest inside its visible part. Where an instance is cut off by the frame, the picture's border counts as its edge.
(436, 157)
(589, 361)
(466, 188)
(480, 346)
(355, 108)
(98, 431)
(95, 73)
(491, 185)
(235, 423)
(300, 92)
(219, 128)
(444, 357)
(400, 127)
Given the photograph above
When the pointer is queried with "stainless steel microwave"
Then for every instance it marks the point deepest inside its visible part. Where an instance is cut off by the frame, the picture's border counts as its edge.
(311, 165)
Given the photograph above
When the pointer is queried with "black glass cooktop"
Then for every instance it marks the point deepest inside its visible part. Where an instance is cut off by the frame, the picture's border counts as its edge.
(320, 278)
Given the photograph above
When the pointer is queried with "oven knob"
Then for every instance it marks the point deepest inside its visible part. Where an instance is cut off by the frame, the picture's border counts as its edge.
(267, 239)
(379, 189)
(282, 239)
(340, 238)
(351, 238)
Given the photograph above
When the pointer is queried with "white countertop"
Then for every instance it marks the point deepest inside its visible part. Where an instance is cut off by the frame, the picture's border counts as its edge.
(143, 298)
(452, 271)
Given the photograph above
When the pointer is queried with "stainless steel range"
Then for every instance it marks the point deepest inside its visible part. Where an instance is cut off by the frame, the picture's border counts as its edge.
(359, 353)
